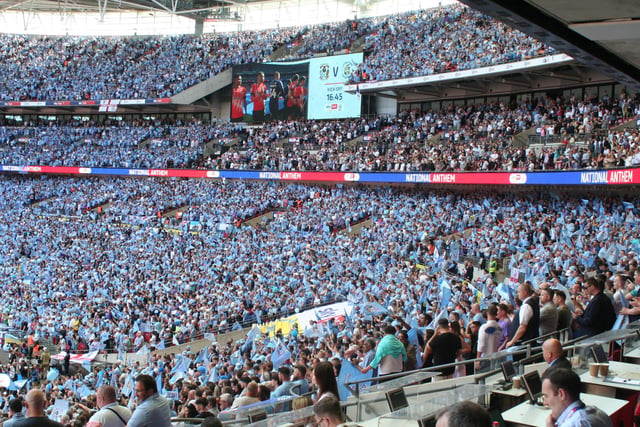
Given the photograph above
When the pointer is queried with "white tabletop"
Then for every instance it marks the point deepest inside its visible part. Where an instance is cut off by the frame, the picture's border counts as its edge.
(635, 353)
(621, 375)
(513, 392)
(387, 422)
(534, 415)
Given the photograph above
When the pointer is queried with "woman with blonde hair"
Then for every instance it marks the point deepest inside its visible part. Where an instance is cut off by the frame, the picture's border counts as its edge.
(301, 402)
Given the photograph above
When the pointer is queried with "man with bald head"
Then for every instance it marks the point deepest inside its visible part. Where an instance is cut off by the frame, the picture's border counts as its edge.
(554, 355)
(251, 396)
(110, 414)
(36, 406)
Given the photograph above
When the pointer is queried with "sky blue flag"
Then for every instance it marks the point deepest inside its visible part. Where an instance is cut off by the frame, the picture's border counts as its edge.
(19, 384)
(425, 296)
(52, 374)
(412, 336)
(201, 356)
(159, 383)
(445, 295)
(214, 377)
(177, 377)
(623, 300)
(114, 382)
(441, 315)
(235, 357)
(127, 388)
(485, 290)
(349, 373)
(373, 309)
(100, 380)
(181, 364)
(83, 391)
(504, 291)
(512, 299)
(280, 355)
(251, 336)
(348, 320)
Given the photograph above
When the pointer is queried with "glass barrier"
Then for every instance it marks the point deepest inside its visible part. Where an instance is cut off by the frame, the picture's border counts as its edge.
(299, 417)
(429, 406)
(406, 380)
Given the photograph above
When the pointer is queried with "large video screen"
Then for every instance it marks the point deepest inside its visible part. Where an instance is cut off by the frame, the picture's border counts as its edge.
(263, 92)
(327, 77)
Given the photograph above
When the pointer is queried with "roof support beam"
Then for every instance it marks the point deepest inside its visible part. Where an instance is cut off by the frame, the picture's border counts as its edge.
(102, 8)
(162, 6)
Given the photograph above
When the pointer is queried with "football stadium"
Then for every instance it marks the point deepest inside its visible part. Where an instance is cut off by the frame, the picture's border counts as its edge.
(330, 213)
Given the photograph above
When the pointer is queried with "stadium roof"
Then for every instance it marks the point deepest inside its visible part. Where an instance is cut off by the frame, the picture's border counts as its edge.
(187, 8)
(603, 35)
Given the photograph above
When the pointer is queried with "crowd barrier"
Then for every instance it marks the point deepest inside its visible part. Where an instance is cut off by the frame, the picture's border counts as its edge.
(528, 357)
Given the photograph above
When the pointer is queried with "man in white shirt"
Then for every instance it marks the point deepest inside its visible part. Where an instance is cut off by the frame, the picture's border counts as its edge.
(529, 316)
(253, 390)
(490, 334)
(110, 414)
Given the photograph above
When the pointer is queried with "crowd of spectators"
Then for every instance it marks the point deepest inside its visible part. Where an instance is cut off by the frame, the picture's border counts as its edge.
(457, 138)
(331, 38)
(144, 144)
(307, 214)
(418, 43)
(125, 278)
(57, 68)
(440, 40)
(136, 265)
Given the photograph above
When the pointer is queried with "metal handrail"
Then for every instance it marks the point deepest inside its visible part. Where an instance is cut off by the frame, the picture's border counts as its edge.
(356, 391)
